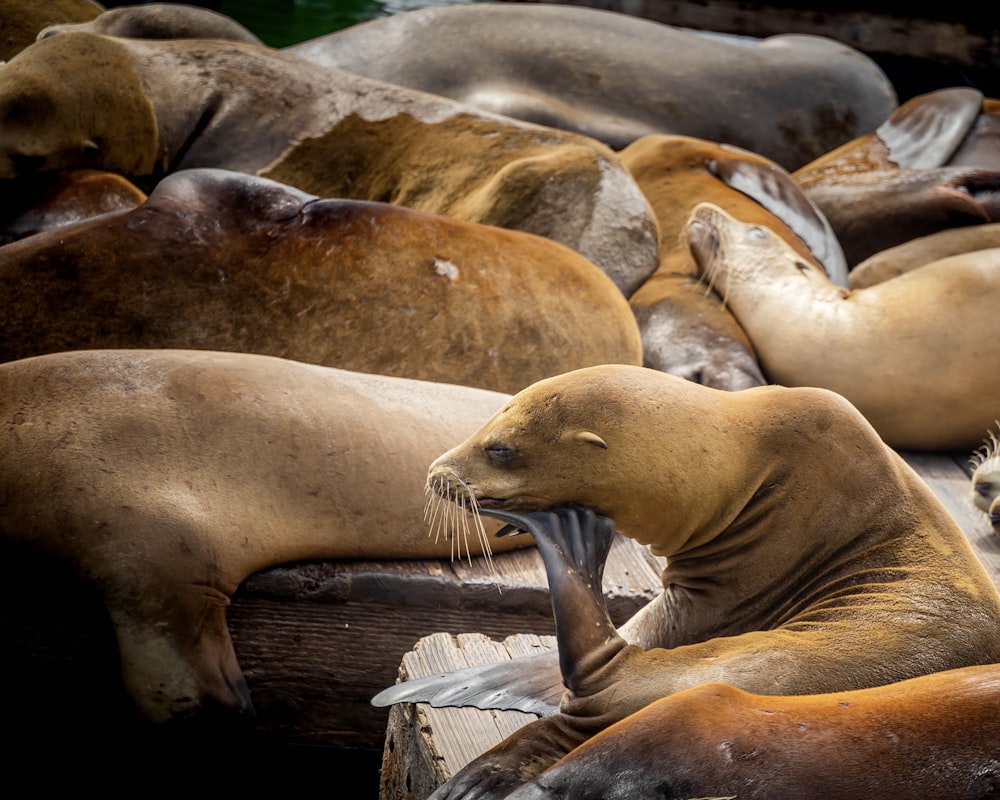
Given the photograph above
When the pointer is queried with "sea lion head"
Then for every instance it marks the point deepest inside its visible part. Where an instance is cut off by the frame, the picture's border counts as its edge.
(74, 101)
(986, 475)
(730, 252)
(619, 439)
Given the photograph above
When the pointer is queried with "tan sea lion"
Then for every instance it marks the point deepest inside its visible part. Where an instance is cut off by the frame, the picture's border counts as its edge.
(910, 351)
(789, 569)
(934, 164)
(220, 260)
(23, 19)
(50, 200)
(617, 77)
(146, 108)
(915, 253)
(985, 463)
(685, 328)
(160, 21)
(164, 478)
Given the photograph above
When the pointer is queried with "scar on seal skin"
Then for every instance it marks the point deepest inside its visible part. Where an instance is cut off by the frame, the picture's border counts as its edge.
(804, 555)
(164, 478)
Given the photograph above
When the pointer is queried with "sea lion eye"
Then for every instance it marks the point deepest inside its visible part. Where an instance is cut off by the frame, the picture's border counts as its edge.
(501, 454)
(758, 232)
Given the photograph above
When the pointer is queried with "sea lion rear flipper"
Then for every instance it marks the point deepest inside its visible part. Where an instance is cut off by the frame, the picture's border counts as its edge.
(777, 191)
(925, 131)
(530, 683)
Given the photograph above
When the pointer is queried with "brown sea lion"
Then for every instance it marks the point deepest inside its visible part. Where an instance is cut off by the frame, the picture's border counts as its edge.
(933, 165)
(220, 260)
(932, 736)
(685, 328)
(915, 253)
(788, 569)
(146, 108)
(164, 478)
(910, 351)
(160, 21)
(617, 77)
(985, 463)
(50, 200)
(23, 19)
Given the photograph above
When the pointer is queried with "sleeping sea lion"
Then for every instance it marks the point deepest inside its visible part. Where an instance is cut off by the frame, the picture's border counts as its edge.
(910, 351)
(23, 19)
(915, 253)
(147, 108)
(160, 21)
(789, 568)
(685, 328)
(934, 164)
(164, 478)
(617, 77)
(220, 260)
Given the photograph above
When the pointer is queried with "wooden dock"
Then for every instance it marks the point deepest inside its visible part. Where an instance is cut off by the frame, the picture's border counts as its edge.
(425, 746)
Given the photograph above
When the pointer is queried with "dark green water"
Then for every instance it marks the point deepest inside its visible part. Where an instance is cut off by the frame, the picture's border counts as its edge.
(280, 23)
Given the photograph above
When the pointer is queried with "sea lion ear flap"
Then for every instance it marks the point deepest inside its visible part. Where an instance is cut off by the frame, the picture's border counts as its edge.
(586, 436)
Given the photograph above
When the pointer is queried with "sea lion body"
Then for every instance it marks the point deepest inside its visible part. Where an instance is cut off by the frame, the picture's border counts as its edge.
(220, 260)
(147, 108)
(165, 478)
(617, 77)
(780, 579)
(686, 329)
(909, 351)
(931, 736)
(915, 253)
(23, 19)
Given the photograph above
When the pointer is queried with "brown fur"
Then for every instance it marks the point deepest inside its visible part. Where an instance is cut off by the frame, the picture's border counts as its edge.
(803, 554)
(225, 261)
(686, 329)
(164, 478)
(932, 736)
(147, 108)
(24, 19)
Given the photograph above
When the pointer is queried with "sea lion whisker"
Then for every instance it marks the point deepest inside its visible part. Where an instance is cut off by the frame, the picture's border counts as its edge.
(989, 449)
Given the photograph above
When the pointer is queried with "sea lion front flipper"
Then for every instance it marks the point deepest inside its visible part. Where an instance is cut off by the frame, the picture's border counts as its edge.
(779, 193)
(925, 131)
(530, 683)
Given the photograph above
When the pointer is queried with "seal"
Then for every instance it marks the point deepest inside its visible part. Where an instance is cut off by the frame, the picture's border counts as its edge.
(616, 77)
(915, 253)
(160, 21)
(23, 19)
(51, 200)
(221, 260)
(985, 463)
(911, 363)
(931, 166)
(685, 328)
(147, 108)
(849, 745)
(779, 580)
(165, 478)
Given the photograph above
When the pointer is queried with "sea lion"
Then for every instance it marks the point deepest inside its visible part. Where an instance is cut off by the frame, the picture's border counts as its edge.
(164, 478)
(780, 580)
(616, 77)
(160, 21)
(221, 260)
(915, 253)
(50, 200)
(685, 328)
(717, 741)
(23, 19)
(147, 108)
(909, 351)
(985, 463)
(934, 164)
